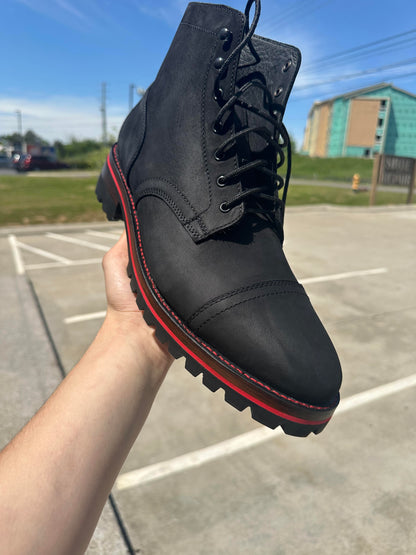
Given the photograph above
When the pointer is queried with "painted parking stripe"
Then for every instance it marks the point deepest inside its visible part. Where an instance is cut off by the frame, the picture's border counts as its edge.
(82, 317)
(43, 253)
(85, 317)
(17, 257)
(104, 234)
(79, 242)
(248, 440)
(48, 265)
(344, 275)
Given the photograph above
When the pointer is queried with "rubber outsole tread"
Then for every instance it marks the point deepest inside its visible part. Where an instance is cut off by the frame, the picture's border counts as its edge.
(161, 335)
(210, 381)
(235, 400)
(192, 366)
(213, 384)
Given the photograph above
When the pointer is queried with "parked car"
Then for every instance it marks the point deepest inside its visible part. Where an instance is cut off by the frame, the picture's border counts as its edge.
(15, 160)
(28, 162)
(5, 161)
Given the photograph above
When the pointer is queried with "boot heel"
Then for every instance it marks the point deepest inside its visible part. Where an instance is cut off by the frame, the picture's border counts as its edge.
(107, 194)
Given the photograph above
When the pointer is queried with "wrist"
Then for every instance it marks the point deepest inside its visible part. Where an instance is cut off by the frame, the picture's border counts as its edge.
(135, 343)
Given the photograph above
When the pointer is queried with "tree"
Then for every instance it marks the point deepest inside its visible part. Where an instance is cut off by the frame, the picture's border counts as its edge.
(31, 138)
(13, 138)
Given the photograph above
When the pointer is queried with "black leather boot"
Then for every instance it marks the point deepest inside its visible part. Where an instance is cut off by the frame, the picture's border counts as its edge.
(194, 177)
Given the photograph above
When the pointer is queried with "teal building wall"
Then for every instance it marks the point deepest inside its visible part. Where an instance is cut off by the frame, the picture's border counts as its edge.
(396, 132)
(338, 129)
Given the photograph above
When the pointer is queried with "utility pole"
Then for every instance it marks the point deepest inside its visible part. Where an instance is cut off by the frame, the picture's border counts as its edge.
(131, 96)
(19, 123)
(103, 110)
(20, 130)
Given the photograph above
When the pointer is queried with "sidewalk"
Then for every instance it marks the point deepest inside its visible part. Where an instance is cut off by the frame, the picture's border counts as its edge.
(345, 185)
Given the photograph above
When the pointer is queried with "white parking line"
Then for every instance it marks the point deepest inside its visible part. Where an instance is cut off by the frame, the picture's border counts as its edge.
(88, 316)
(104, 234)
(18, 262)
(85, 317)
(41, 252)
(344, 275)
(80, 242)
(197, 458)
(47, 265)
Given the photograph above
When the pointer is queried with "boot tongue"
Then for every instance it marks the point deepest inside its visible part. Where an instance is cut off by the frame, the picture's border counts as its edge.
(273, 64)
(252, 67)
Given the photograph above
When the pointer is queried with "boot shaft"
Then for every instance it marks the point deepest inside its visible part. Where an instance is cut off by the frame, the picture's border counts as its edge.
(169, 145)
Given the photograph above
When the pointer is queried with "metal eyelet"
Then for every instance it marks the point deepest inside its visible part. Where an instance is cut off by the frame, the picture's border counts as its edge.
(218, 95)
(218, 62)
(221, 181)
(278, 92)
(224, 207)
(219, 156)
(225, 34)
(287, 66)
(217, 128)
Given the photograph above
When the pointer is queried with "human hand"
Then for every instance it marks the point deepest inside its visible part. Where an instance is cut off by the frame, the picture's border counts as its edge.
(120, 297)
(123, 313)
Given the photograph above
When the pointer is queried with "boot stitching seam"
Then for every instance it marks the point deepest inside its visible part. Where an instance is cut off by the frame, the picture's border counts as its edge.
(274, 294)
(259, 285)
(163, 195)
(197, 28)
(176, 210)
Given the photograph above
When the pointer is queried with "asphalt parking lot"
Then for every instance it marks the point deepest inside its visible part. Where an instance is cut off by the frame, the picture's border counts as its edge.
(202, 477)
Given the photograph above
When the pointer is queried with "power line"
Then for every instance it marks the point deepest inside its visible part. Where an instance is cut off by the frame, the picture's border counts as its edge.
(294, 12)
(387, 49)
(295, 98)
(362, 46)
(358, 74)
(403, 46)
(285, 13)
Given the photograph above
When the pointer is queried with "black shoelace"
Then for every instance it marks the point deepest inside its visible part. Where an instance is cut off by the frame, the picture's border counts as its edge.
(266, 196)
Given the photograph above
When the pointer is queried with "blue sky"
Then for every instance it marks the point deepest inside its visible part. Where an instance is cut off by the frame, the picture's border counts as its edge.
(56, 53)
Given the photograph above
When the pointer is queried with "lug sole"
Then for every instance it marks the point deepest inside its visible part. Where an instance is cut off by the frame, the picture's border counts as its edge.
(269, 407)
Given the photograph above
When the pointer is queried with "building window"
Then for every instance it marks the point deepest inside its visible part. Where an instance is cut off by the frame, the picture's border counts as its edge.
(380, 122)
(383, 104)
(367, 153)
(378, 138)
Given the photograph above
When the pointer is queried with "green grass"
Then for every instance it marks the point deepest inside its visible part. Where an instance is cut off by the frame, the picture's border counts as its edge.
(94, 160)
(336, 169)
(37, 200)
(27, 199)
(300, 195)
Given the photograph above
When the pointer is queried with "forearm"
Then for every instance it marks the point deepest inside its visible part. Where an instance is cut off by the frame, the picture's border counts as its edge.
(76, 444)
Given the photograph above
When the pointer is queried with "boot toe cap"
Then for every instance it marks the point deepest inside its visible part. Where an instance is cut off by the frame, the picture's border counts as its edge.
(279, 340)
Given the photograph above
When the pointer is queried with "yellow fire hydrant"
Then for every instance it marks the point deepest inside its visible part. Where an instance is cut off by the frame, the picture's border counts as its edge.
(355, 182)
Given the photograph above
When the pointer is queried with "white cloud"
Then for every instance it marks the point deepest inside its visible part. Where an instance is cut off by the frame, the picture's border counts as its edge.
(61, 11)
(59, 117)
(169, 11)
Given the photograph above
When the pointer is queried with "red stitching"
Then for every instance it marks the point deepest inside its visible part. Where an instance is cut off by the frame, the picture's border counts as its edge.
(190, 332)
